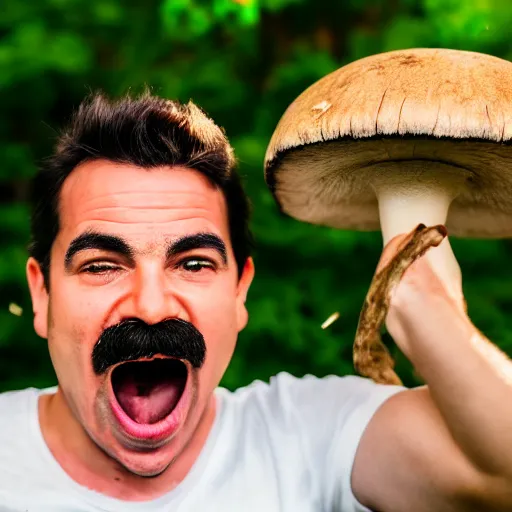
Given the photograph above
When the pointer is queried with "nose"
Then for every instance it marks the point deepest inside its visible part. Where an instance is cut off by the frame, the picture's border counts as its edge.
(152, 297)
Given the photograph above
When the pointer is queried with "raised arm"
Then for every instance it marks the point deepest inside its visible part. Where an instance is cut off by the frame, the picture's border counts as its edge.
(446, 446)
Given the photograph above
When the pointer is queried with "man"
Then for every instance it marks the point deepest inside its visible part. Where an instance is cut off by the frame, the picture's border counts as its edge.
(139, 271)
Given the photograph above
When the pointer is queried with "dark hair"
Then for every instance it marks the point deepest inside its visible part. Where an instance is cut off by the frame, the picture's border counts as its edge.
(146, 131)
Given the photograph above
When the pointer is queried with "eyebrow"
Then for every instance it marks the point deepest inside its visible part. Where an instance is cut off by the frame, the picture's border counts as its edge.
(198, 241)
(91, 240)
(99, 241)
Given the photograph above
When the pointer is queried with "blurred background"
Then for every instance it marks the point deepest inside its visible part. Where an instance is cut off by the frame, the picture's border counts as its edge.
(243, 61)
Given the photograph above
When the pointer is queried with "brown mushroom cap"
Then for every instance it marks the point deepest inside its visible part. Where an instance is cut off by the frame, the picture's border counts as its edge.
(393, 114)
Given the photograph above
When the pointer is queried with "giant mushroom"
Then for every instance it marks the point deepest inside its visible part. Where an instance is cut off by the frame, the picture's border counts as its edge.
(397, 142)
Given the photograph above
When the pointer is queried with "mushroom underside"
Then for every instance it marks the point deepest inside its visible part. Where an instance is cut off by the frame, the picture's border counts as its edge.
(334, 183)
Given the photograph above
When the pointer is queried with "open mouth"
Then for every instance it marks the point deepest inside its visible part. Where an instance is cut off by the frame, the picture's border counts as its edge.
(149, 391)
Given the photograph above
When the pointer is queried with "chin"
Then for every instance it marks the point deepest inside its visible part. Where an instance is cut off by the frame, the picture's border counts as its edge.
(147, 465)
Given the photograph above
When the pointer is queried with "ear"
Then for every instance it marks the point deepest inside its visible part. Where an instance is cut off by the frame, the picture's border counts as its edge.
(244, 283)
(39, 295)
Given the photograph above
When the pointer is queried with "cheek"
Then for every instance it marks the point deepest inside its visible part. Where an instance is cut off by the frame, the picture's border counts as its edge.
(216, 308)
(67, 344)
(75, 322)
(215, 315)
(79, 311)
(70, 342)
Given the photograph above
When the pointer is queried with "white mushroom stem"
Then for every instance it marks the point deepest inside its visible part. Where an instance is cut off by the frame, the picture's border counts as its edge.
(422, 197)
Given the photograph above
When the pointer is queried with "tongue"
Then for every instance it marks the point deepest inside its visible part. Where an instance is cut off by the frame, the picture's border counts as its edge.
(148, 397)
(148, 407)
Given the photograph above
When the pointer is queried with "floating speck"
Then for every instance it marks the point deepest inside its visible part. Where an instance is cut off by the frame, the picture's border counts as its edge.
(15, 309)
(330, 320)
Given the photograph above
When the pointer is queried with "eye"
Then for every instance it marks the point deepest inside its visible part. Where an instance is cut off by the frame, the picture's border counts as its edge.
(99, 268)
(197, 264)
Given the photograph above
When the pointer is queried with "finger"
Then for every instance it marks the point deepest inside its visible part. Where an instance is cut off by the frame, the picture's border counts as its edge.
(393, 247)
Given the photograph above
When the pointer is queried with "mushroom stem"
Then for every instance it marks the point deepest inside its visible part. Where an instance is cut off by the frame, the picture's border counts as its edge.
(422, 197)
(407, 202)
(402, 207)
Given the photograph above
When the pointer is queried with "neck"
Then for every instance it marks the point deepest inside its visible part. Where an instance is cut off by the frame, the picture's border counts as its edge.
(88, 465)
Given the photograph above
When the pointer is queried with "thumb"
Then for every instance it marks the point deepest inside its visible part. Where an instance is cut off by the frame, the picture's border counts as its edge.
(395, 245)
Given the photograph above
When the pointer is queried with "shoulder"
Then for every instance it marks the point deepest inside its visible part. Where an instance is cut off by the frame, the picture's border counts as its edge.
(309, 427)
(306, 390)
(18, 420)
(303, 400)
(16, 404)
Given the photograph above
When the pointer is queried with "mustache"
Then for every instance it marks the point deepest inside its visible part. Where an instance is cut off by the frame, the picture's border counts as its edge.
(135, 339)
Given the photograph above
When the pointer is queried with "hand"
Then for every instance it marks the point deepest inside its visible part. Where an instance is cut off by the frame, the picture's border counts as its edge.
(425, 291)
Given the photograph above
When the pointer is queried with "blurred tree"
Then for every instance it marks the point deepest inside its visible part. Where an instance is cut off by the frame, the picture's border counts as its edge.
(243, 61)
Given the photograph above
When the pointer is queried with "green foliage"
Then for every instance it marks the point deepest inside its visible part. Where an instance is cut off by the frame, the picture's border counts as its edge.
(188, 19)
(243, 61)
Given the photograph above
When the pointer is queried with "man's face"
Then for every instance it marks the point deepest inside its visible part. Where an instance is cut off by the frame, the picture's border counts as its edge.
(151, 245)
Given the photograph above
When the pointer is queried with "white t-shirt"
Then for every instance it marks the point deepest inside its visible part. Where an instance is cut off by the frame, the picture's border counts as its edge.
(287, 446)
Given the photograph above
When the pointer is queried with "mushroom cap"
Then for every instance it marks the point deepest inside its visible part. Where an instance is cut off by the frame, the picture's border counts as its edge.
(393, 115)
